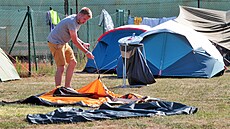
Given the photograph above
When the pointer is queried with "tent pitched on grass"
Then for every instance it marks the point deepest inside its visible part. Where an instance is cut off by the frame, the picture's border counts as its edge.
(107, 52)
(214, 24)
(174, 50)
(7, 69)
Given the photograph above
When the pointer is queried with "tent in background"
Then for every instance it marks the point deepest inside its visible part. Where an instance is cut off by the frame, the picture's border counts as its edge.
(214, 24)
(178, 51)
(7, 69)
(107, 52)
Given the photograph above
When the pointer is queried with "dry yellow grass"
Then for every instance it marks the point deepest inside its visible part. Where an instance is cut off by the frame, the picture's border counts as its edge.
(210, 96)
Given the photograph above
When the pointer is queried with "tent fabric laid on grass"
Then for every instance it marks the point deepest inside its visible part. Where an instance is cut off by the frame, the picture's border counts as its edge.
(91, 95)
(7, 69)
(174, 50)
(107, 52)
(106, 111)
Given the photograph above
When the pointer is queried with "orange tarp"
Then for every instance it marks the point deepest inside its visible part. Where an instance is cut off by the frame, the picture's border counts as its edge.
(97, 88)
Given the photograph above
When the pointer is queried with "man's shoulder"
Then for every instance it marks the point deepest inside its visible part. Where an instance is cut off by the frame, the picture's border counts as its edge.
(71, 16)
(69, 19)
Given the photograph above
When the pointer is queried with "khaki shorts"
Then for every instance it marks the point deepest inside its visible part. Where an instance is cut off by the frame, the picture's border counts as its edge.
(62, 53)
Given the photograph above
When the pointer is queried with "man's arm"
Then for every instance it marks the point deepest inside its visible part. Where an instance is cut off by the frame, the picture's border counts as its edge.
(86, 45)
(79, 44)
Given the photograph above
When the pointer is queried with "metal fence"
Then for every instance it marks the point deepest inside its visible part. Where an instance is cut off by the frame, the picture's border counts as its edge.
(13, 13)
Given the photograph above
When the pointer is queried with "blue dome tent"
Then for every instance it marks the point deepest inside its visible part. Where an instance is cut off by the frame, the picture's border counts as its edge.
(173, 50)
(107, 51)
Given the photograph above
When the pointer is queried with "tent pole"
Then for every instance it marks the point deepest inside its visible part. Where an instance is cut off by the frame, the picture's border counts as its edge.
(124, 67)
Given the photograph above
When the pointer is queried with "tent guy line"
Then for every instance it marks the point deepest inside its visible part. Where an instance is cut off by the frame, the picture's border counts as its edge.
(98, 70)
(96, 66)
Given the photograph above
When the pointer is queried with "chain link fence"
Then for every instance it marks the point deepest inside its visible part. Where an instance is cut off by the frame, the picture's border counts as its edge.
(13, 17)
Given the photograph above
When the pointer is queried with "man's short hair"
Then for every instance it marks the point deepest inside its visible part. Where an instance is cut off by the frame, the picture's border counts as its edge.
(86, 11)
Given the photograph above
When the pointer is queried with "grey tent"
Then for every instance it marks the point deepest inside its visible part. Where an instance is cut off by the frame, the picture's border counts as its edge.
(7, 69)
(214, 24)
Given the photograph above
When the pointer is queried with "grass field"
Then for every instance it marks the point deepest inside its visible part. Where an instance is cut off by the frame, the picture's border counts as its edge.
(210, 96)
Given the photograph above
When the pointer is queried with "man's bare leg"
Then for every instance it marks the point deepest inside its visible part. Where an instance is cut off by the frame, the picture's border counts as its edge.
(58, 75)
(69, 72)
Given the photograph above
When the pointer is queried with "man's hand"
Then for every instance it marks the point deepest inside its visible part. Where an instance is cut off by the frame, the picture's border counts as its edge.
(89, 55)
(86, 45)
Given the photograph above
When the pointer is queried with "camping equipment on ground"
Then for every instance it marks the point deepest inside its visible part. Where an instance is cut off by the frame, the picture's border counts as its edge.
(91, 95)
(107, 52)
(107, 111)
(134, 62)
(174, 50)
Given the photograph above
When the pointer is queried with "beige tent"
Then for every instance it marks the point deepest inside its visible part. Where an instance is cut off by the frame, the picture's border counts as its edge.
(7, 69)
(214, 24)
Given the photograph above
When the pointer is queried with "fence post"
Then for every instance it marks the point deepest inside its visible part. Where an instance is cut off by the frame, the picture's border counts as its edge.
(32, 32)
(29, 61)
(76, 6)
(66, 7)
(120, 17)
(71, 43)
